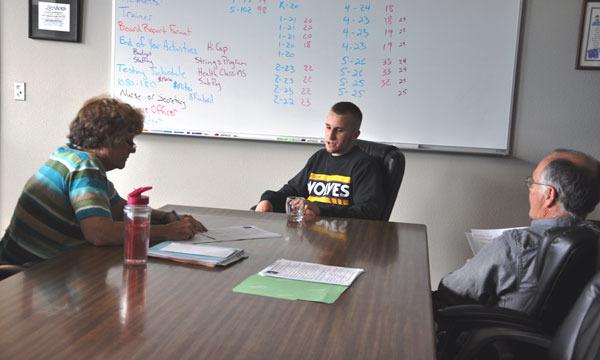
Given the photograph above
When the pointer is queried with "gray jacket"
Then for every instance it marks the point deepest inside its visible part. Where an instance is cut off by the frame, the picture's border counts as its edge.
(503, 272)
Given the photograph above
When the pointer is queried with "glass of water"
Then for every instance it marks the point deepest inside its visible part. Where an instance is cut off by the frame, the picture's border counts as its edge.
(294, 208)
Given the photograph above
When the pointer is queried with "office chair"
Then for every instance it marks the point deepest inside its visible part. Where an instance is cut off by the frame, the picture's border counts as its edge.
(567, 259)
(7, 270)
(575, 339)
(392, 163)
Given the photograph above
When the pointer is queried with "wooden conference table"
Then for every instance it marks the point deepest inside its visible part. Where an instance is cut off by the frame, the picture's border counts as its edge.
(85, 304)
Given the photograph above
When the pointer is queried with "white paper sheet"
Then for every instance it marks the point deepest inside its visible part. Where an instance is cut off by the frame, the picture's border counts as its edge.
(478, 238)
(298, 270)
(230, 233)
(205, 250)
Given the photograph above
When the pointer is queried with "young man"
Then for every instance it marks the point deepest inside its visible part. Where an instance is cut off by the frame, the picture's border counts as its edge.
(339, 180)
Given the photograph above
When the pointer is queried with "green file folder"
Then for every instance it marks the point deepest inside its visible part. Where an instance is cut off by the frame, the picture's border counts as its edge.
(290, 289)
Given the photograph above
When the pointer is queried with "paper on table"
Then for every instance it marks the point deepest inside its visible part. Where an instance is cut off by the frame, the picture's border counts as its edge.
(205, 250)
(298, 270)
(290, 289)
(231, 233)
(478, 238)
(190, 255)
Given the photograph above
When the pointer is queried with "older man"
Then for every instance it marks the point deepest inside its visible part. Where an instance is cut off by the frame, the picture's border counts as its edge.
(340, 180)
(563, 189)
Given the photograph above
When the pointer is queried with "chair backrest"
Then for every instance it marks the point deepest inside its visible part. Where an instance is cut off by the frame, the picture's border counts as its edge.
(577, 337)
(566, 262)
(392, 163)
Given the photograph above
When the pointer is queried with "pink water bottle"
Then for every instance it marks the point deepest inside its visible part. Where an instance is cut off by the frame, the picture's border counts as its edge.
(137, 227)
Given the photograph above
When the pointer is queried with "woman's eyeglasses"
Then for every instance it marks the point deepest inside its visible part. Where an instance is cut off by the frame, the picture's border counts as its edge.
(131, 144)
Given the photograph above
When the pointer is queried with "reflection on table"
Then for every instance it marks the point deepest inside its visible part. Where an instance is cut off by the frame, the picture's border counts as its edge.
(86, 304)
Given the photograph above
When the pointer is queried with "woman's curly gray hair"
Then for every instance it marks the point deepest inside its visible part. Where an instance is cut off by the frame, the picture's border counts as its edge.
(103, 122)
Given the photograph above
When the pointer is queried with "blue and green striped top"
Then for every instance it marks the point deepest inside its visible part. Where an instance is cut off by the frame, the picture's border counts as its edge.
(70, 187)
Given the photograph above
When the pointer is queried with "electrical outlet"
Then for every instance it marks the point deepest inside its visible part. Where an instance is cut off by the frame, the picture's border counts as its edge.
(20, 91)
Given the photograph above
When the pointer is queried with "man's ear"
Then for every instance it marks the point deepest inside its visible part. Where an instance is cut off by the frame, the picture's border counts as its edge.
(356, 134)
(550, 196)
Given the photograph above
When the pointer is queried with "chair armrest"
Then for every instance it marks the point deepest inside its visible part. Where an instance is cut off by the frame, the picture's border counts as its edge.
(463, 317)
(9, 270)
(456, 322)
(480, 338)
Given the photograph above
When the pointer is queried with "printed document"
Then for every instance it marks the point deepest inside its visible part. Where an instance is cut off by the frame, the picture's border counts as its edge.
(205, 250)
(478, 238)
(231, 233)
(298, 270)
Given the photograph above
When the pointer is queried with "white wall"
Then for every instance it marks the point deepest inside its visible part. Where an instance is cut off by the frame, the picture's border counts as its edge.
(556, 106)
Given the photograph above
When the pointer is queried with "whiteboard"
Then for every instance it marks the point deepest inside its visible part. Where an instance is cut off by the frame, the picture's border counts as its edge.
(427, 75)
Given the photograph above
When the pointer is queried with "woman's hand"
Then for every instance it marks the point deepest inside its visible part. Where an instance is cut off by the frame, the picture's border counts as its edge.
(184, 229)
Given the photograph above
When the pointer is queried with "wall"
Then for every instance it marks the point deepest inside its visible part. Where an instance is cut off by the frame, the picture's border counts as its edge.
(556, 106)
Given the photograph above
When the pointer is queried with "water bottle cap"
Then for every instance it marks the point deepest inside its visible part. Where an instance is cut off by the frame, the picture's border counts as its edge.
(136, 198)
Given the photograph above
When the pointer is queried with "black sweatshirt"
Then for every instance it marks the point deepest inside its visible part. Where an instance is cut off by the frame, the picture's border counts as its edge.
(349, 185)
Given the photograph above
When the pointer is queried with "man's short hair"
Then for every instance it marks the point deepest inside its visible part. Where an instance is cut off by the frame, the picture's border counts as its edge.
(346, 108)
(577, 185)
(103, 122)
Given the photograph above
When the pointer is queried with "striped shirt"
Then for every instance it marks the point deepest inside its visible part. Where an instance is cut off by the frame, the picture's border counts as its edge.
(70, 187)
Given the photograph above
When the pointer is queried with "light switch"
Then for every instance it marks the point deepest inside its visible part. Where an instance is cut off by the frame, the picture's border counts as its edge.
(20, 91)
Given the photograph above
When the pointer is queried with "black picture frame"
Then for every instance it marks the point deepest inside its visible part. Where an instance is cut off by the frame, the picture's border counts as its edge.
(59, 23)
(588, 55)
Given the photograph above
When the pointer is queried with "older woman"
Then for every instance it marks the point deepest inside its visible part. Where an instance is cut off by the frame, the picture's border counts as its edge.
(69, 201)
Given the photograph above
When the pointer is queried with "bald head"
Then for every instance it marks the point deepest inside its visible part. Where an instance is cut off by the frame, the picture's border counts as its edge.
(575, 179)
(580, 159)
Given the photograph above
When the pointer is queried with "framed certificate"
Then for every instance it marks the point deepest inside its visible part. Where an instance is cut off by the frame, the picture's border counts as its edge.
(589, 37)
(58, 20)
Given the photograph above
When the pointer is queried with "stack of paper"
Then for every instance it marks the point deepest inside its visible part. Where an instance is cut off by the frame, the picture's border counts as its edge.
(198, 254)
(299, 270)
(233, 233)
(297, 280)
(478, 238)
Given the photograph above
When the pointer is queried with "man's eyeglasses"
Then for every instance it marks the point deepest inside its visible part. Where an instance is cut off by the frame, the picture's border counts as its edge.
(529, 182)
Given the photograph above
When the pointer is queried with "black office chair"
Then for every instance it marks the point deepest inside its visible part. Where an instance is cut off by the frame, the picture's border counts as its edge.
(392, 163)
(7, 270)
(568, 260)
(576, 338)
